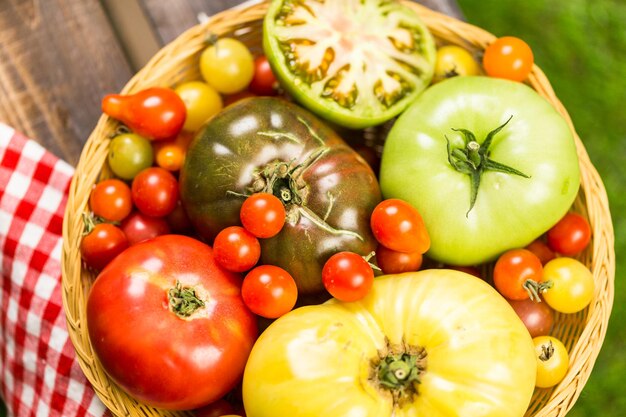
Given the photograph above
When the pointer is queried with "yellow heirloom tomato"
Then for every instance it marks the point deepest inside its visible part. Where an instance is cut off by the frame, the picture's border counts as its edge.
(433, 343)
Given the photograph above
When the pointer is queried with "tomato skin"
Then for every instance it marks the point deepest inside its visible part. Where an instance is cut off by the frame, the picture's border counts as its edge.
(138, 227)
(552, 361)
(452, 61)
(263, 215)
(151, 352)
(218, 408)
(264, 81)
(332, 214)
(269, 291)
(394, 262)
(236, 249)
(572, 285)
(102, 245)
(155, 192)
(111, 200)
(510, 211)
(538, 317)
(201, 101)
(542, 250)
(129, 154)
(508, 57)
(155, 113)
(570, 236)
(398, 226)
(512, 271)
(347, 276)
(337, 342)
(227, 66)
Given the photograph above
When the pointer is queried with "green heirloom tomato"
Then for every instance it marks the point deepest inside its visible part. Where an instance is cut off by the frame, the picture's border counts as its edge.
(355, 63)
(266, 144)
(489, 164)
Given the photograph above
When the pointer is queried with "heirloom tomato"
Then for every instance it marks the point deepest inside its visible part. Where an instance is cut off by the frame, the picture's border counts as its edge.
(269, 145)
(355, 63)
(488, 163)
(429, 343)
(168, 325)
(155, 113)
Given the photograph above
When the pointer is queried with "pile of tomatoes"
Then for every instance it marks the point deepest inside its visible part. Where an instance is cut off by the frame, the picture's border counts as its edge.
(141, 201)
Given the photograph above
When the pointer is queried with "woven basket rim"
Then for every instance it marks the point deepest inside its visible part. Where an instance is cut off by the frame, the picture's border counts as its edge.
(592, 200)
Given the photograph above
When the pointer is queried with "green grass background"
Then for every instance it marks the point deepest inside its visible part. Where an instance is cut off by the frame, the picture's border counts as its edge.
(581, 46)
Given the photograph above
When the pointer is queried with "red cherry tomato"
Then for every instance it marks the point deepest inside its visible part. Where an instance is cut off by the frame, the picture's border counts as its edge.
(537, 317)
(179, 220)
(347, 276)
(398, 226)
(269, 291)
(111, 200)
(233, 98)
(394, 262)
(138, 227)
(103, 243)
(155, 113)
(218, 408)
(168, 325)
(472, 270)
(236, 249)
(517, 274)
(155, 192)
(508, 57)
(542, 250)
(263, 215)
(570, 235)
(263, 82)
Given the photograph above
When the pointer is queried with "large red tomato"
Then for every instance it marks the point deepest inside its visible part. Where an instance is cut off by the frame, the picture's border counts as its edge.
(169, 325)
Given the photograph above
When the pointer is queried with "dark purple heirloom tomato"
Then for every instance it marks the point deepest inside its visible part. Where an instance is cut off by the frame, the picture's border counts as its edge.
(266, 144)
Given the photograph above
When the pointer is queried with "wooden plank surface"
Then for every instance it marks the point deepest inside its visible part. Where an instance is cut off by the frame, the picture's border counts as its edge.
(57, 59)
(170, 18)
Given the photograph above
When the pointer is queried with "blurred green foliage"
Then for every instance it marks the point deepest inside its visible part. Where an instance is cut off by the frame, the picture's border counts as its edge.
(581, 46)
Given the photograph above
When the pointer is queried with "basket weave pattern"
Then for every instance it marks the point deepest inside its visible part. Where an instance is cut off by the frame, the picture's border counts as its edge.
(582, 333)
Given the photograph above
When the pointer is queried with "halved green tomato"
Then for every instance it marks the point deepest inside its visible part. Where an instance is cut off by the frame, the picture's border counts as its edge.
(355, 63)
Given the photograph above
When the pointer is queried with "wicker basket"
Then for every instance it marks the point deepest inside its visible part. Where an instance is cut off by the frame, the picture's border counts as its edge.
(582, 333)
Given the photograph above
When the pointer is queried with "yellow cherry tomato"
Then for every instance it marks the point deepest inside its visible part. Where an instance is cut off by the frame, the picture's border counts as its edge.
(228, 65)
(453, 60)
(428, 343)
(201, 100)
(572, 285)
(552, 361)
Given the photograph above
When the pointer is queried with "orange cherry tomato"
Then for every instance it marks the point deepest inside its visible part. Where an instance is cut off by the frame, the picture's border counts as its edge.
(111, 200)
(508, 57)
(518, 274)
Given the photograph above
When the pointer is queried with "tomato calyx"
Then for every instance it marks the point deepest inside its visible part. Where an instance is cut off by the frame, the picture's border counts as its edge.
(398, 371)
(183, 301)
(90, 221)
(547, 351)
(535, 288)
(473, 159)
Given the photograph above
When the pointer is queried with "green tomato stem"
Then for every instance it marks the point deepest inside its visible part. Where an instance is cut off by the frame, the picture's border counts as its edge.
(183, 301)
(398, 371)
(472, 159)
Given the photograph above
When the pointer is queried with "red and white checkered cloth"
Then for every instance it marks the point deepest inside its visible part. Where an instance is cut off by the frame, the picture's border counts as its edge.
(39, 374)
